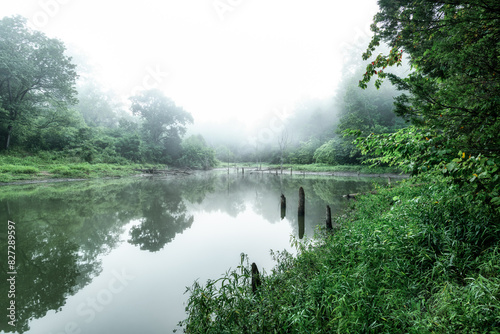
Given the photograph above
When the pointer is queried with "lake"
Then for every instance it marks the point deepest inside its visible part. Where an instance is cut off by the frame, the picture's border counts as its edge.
(116, 256)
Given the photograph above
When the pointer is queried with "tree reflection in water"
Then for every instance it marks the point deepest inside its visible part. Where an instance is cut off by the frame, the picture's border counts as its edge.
(64, 230)
(164, 215)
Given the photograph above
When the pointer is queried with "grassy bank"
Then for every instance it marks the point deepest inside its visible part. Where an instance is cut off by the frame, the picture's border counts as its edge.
(324, 168)
(32, 168)
(412, 259)
(363, 169)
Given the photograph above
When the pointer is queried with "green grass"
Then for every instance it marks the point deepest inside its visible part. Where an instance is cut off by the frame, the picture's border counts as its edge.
(342, 168)
(19, 167)
(411, 259)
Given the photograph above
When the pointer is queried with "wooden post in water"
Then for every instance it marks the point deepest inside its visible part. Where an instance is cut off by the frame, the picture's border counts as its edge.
(301, 226)
(283, 206)
(301, 202)
(255, 278)
(328, 218)
(301, 213)
(242, 170)
(291, 170)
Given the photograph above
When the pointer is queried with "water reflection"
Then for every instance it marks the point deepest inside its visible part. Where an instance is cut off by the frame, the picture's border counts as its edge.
(60, 232)
(163, 216)
(64, 231)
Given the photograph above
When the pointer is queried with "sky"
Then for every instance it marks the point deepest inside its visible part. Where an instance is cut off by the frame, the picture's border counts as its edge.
(218, 59)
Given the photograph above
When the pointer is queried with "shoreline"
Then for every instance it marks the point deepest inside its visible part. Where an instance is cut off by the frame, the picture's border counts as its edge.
(249, 171)
(254, 170)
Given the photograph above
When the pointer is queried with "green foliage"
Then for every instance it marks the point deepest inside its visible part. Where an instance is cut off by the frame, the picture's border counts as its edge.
(164, 123)
(368, 110)
(46, 165)
(304, 154)
(36, 80)
(128, 147)
(412, 259)
(196, 153)
(37, 90)
(18, 169)
(452, 95)
(337, 151)
(326, 153)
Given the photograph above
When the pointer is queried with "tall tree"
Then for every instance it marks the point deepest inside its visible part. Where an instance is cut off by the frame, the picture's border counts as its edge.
(36, 77)
(164, 123)
(96, 106)
(452, 96)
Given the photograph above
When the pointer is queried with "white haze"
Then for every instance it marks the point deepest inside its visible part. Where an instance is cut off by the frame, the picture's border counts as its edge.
(219, 59)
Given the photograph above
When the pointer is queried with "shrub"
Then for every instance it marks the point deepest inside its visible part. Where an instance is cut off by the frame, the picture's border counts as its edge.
(61, 170)
(16, 169)
(326, 153)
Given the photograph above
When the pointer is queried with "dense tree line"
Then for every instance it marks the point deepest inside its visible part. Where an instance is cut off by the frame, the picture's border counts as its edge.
(451, 97)
(49, 104)
(44, 106)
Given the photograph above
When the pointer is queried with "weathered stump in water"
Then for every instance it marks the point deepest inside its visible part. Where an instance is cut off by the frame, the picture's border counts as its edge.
(301, 226)
(328, 218)
(242, 170)
(301, 202)
(256, 282)
(301, 212)
(283, 206)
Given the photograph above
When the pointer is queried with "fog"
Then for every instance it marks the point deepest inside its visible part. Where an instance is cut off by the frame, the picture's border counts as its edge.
(219, 59)
(254, 75)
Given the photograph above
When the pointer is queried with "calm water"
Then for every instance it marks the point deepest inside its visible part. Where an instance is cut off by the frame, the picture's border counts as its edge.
(115, 256)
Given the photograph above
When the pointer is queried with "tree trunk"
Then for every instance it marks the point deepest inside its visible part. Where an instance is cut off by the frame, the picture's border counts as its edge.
(9, 132)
